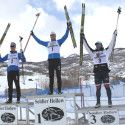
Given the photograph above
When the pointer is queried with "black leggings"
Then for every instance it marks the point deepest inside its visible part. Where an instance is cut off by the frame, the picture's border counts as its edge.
(55, 65)
(13, 76)
(98, 92)
(102, 77)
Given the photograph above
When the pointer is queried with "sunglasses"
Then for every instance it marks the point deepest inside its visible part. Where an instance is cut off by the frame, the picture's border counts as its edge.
(12, 46)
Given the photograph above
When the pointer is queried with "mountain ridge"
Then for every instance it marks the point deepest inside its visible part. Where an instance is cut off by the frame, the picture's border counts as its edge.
(71, 69)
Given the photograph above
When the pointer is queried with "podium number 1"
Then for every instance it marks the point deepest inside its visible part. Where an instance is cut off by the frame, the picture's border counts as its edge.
(39, 118)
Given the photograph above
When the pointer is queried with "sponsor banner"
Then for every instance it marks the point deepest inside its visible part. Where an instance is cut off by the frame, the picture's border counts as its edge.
(104, 117)
(50, 111)
(8, 115)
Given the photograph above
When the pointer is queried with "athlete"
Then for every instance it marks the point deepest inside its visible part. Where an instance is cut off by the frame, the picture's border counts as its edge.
(101, 70)
(13, 71)
(54, 60)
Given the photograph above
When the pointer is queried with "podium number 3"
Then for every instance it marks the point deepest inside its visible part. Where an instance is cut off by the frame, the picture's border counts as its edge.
(93, 119)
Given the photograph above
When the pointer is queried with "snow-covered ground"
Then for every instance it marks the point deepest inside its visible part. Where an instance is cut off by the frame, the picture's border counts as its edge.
(88, 88)
(30, 82)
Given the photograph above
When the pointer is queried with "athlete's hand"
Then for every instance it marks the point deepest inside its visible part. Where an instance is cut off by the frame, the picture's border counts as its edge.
(82, 35)
(31, 32)
(115, 32)
(69, 24)
(21, 51)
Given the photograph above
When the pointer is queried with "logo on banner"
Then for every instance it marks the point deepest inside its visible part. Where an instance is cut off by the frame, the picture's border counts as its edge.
(50, 111)
(107, 119)
(52, 114)
(8, 118)
(101, 117)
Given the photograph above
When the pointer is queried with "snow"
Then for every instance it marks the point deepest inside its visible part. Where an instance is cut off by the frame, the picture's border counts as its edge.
(88, 88)
(30, 82)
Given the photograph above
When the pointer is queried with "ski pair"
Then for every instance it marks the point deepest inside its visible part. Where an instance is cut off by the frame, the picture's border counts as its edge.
(81, 30)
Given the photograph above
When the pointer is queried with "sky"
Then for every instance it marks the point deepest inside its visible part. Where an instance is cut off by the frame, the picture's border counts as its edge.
(100, 23)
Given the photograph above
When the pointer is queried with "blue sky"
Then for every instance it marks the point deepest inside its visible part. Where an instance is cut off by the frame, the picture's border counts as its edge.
(100, 23)
(48, 6)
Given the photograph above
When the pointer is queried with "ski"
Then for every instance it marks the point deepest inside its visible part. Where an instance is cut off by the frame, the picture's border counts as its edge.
(70, 28)
(82, 32)
(21, 50)
(119, 12)
(4, 34)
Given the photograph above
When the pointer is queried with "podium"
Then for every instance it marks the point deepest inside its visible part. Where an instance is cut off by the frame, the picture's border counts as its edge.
(48, 110)
(102, 115)
(8, 114)
(51, 109)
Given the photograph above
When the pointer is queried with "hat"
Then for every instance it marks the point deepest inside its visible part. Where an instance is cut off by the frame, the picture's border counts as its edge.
(98, 42)
(13, 44)
(52, 33)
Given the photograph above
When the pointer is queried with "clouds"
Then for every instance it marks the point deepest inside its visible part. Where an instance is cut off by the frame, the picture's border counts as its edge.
(11, 8)
(100, 22)
(60, 5)
(20, 14)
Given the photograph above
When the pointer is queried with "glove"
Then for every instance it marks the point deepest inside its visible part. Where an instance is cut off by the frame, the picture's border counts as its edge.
(31, 32)
(82, 35)
(69, 24)
(115, 32)
(21, 51)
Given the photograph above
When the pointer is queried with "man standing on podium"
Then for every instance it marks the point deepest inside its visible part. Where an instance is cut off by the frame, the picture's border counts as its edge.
(54, 61)
(101, 70)
(13, 71)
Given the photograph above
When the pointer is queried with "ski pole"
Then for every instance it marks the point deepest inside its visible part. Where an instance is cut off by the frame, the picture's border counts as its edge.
(37, 16)
(21, 38)
(118, 11)
(4, 34)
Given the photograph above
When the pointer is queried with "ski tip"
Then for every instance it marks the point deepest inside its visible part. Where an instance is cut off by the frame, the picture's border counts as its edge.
(83, 5)
(74, 46)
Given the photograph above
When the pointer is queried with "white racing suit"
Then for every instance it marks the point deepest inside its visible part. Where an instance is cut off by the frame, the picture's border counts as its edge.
(101, 70)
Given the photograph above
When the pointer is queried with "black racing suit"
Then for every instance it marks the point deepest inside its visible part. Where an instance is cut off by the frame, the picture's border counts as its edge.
(13, 72)
(13, 76)
(55, 65)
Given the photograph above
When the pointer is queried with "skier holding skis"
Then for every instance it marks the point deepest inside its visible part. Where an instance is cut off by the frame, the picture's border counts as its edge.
(13, 71)
(54, 60)
(101, 71)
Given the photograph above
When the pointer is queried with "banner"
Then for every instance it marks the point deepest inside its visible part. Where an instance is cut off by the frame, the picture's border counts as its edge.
(8, 115)
(104, 117)
(50, 111)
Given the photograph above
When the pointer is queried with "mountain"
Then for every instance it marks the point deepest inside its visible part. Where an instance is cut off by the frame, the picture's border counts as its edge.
(71, 69)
